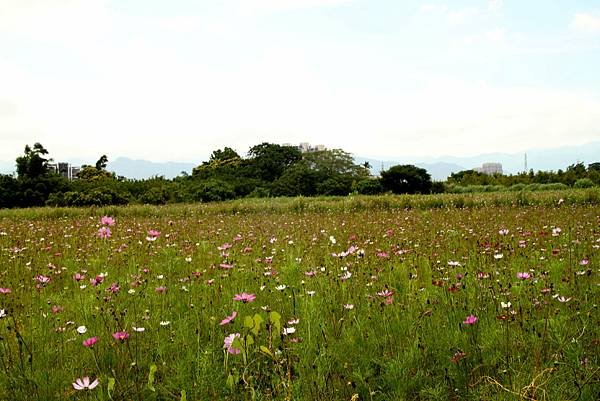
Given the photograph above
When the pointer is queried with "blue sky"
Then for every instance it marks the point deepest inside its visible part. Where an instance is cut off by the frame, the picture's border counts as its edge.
(175, 80)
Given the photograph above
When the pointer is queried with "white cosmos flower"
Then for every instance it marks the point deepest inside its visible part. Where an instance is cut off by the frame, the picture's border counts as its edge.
(281, 287)
(139, 329)
(165, 323)
(288, 330)
(81, 329)
(505, 304)
(2, 313)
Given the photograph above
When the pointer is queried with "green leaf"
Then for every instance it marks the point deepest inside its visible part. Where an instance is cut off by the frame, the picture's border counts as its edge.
(258, 320)
(230, 381)
(153, 369)
(237, 343)
(249, 340)
(267, 351)
(183, 396)
(111, 386)
(248, 322)
(275, 319)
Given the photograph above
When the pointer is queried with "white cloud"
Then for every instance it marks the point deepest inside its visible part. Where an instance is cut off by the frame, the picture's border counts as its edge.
(586, 22)
(434, 8)
(463, 15)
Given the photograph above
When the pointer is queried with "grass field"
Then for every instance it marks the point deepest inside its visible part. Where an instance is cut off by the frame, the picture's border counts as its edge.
(475, 297)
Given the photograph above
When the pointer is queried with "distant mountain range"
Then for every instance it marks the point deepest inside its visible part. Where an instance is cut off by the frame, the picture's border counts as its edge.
(439, 167)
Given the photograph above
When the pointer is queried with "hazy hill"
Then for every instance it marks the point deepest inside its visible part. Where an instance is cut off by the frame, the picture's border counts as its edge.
(439, 167)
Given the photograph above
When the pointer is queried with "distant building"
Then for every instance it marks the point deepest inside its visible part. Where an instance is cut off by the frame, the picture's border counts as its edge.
(65, 170)
(489, 168)
(306, 147)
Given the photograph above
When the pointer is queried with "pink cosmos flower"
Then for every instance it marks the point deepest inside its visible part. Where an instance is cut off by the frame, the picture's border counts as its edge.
(161, 289)
(152, 235)
(97, 280)
(107, 221)
(244, 297)
(85, 384)
(584, 262)
(228, 319)
(470, 320)
(78, 277)
(228, 344)
(523, 275)
(104, 232)
(90, 342)
(503, 231)
(5, 290)
(385, 293)
(42, 279)
(121, 335)
(224, 247)
(226, 266)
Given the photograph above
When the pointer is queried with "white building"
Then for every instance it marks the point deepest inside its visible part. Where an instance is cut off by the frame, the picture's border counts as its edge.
(489, 168)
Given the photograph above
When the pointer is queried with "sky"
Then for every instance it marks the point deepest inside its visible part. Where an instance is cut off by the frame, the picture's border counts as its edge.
(175, 80)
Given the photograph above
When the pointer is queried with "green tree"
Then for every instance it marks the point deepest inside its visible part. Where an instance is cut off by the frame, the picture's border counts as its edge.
(33, 164)
(268, 161)
(102, 162)
(406, 179)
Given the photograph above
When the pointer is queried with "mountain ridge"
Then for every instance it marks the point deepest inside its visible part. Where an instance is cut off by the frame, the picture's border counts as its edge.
(438, 167)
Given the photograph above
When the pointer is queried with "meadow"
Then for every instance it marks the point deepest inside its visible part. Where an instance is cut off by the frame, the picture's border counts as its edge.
(447, 297)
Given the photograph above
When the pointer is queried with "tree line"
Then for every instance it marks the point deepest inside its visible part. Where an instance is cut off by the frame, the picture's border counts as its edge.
(267, 170)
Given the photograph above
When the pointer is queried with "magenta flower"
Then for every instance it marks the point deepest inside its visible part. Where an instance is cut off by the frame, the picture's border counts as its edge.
(228, 344)
(228, 319)
(121, 335)
(104, 232)
(107, 221)
(523, 275)
(244, 297)
(85, 384)
(226, 266)
(90, 342)
(114, 288)
(224, 247)
(161, 289)
(5, 290)
(78, 277)
(97, 280)
(470, 320)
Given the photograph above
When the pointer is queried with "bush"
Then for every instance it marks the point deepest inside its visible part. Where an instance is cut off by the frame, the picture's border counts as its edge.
(583, 183)
(368, 187)
(214, 190)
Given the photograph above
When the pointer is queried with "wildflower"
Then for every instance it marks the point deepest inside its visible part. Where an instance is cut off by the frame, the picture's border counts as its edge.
(114, 288)
(346, 276)
(503, 231)
(107, 221)
(121, 335)
(104, 232)
(523, 275)
(165, 323)
(81, 329)
(348, 306)
(139, 329)
(78, 277)
(90, 342)
(57, 309)
(556, 231)
(5, 290)
(470, 320)
(288, 330)
(453, 263)
(228, 319)
(160, 290)
(498, 256)
(310, 273)
(281, 287)
(482, 275)
(228, 344)
(293, 322)
(458, 355)
(582, 262)
(85, 384)
(2, 313)
(505, 304)
(244, 297)
(42, 279)
(131, 291)
(562, 299)
(332, 239)
(385, 293)
(152, 235)
(226, 266)
(310, 293)
(224, 247)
